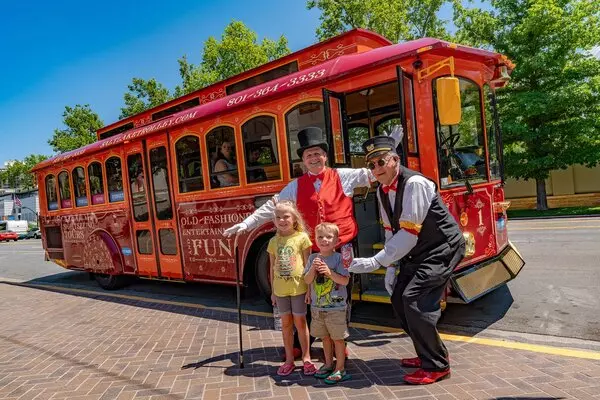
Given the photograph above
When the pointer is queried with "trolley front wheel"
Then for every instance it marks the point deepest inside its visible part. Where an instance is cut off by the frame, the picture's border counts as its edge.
(262, 271)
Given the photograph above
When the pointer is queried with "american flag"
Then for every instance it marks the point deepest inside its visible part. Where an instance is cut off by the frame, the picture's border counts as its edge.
(18, 202)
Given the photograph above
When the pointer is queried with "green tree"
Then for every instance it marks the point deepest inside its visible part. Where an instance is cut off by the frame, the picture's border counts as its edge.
(239, 50)
(143, 95)
(13, 173)
(550, 111)
(397, 20)
(17, 173)
(28, 181)
(81, 125)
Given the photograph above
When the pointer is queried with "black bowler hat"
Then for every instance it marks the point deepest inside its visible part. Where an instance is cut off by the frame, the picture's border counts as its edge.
(311, 137)
(378, 145)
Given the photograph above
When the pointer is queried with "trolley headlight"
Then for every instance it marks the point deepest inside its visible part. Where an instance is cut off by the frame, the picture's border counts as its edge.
(469, 244)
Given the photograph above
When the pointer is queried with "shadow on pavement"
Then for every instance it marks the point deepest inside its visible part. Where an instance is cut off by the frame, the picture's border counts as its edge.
(209, 295)
(364, 373)
(479, 315)
(468, 319)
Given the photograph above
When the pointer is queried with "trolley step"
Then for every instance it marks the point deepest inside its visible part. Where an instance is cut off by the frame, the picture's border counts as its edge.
(374, 296)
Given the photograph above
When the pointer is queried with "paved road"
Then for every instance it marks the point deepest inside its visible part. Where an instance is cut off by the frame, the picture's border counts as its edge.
(59, 346)
(557, 293)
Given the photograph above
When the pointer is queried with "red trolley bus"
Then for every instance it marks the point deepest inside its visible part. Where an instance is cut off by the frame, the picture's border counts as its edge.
(150, 198)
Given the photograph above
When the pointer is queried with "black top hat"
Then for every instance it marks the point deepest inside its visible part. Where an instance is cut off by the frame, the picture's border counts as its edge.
(311, 137)
(377, 145)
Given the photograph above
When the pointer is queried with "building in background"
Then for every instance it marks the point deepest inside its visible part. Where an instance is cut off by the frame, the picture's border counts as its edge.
(20, 206)
(17, 204)
(576, 186)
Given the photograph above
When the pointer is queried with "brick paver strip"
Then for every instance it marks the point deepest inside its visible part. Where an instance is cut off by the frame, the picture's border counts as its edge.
(63, 346)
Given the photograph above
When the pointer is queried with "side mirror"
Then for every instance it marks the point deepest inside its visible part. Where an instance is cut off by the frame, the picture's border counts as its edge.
(448, 100)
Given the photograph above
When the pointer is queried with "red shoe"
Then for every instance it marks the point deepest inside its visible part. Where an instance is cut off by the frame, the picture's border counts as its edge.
(411, 362)
(297, 354)
(422, 377)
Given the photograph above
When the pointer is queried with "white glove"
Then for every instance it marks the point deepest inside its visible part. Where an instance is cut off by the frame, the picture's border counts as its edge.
(237, 229)
(397, 133)
(390, 279)
(363, 265)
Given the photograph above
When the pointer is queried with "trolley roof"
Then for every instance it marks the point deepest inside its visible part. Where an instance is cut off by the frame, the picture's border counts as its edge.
(322, 73)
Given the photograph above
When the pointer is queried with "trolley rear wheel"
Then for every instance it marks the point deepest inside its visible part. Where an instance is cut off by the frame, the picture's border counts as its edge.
(111, 282)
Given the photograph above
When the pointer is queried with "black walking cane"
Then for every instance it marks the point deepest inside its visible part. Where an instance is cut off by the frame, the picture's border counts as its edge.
(239, 302)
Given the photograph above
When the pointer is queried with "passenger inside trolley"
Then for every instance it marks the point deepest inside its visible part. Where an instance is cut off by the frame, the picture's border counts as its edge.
(226, 162)
(254, 172)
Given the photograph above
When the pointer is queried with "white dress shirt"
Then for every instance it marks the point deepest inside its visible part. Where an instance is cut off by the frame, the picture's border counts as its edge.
(419, 193)
(350, 178)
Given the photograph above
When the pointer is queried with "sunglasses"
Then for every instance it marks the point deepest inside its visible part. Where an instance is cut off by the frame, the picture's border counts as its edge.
(381, 162)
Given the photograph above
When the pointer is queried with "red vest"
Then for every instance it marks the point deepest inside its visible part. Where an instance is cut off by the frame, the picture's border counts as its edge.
(329, 205)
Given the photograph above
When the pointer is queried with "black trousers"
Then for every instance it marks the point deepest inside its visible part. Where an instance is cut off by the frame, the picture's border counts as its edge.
(416, 301)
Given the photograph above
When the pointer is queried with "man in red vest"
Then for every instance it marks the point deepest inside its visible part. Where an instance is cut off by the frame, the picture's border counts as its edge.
(322, 194)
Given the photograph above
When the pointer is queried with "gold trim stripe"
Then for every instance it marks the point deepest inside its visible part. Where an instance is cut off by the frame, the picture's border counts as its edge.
(376, 150)
(410, 226)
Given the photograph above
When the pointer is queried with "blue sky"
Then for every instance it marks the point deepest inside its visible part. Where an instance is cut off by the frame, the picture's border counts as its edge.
(72, 52)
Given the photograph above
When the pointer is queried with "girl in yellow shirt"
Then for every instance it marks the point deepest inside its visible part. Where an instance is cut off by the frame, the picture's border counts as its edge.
(288, 252)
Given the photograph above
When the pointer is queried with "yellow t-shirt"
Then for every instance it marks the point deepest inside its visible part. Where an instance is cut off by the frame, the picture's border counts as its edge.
(288, 279)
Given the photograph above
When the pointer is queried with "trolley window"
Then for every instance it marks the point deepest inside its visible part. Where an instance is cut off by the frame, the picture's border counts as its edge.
(357, 134)
(51, 196)
(64, 188)
(144, 241)
(160, 183)
(168, 242)
(260, 145)
(114, 178)
(461, 147)
(221, 145)
(189, 165)
(79, 187)
(137, 186)
(301, 116)
(96, 182)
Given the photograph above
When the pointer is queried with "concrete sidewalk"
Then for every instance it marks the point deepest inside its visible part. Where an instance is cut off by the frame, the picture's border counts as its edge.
(66, 346)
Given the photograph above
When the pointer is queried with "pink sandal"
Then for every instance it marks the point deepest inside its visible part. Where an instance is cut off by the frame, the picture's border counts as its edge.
(286, 369)
(309, 368)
